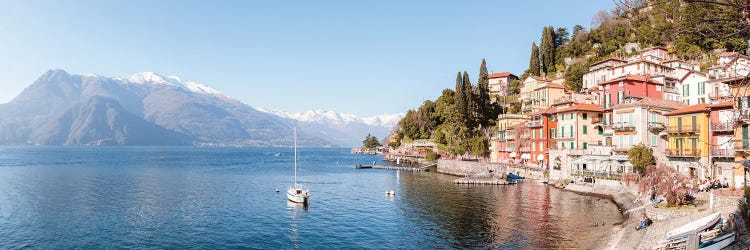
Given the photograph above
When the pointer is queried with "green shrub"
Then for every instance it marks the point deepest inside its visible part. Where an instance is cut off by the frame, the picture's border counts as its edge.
(432, 156)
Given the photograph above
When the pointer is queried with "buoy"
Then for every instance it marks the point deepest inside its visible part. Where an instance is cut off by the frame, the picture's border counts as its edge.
(277, 190)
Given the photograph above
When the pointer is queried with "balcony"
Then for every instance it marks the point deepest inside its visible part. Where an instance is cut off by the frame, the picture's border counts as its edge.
(534, 124)
(576, 152)
(562, 100)
(656, 127)
(744, 114)
(742, 145)
(722, 127)
(528, 107)
(683, 152)
(623, 126)
(671, 89)
(722, 95)
(722, 152)
(597, 174)
(525, 136)
(620, 149)
(683, 129)
(525, 149)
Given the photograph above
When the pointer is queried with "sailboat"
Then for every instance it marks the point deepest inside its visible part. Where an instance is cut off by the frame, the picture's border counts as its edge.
(297, 193)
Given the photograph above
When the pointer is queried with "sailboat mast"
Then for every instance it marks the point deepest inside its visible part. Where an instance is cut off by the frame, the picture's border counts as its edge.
(295, 156)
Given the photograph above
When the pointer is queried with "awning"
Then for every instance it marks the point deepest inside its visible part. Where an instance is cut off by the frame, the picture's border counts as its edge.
(540, 157)
(526, 156)
(512, 154)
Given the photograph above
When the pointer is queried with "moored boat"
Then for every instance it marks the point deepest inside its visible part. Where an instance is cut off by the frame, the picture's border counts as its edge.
(712, 232)
(297, 193)
(511, 176)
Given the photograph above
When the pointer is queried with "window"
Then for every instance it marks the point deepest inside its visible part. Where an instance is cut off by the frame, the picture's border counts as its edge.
(607, 100)
(585, 130)
(686, 90)
(571, 116)
(701, 100)
(658, 88)
(562, 145)
(571, 131)
(562, 117)
(562, 131)
(702, 88)
(620, 84)
(552, 133)
(541, 133)
(572, 146)
(585, 145)
(585, 115)
(620, 96)
(653, 140)
(687, 101)
(652, 117)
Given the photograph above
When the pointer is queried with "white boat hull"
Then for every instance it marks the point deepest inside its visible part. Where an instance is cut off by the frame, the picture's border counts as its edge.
(297, 195)
(721, 244)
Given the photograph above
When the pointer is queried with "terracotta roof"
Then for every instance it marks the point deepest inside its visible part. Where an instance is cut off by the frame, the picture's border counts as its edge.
(697, 108)
(555, 85)
(538, 78)
(726, 104)
(639, 78)
(726, 53)
(652, 102)
(581, 107)
(550, 110)
(499, 75)
(608, 59)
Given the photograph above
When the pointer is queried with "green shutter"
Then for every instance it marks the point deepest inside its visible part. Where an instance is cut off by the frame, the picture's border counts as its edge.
(571, 131)
(572, 145)
(585, 145)
(585, 115)
(585, 130)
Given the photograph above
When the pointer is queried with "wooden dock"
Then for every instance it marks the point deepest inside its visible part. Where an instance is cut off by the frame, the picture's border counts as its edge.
(482, 181)
(413, 169)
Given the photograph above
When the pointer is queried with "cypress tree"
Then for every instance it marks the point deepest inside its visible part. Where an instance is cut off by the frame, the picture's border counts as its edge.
(534, 63)
(483, 95)
(469, 101)
(460, 97)
(547, 49)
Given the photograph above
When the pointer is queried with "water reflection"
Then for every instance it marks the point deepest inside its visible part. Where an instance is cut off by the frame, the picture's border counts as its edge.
(527, 215)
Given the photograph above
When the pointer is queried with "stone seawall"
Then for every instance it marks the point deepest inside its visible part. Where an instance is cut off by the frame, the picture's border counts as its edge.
(461, 168)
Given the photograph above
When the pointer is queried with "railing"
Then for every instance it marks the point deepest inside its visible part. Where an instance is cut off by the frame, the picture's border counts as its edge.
(506, 149)
(722, 95)
(722, 126)
(525, 136)
(562, 100)
(683, 152)
(744, 114)
(623, 126)
(534, 124)
(595, 120)
(621, 149)
(684, 129)
(722, 152)
(597, 174)
(670, 89)
(527, 107)
(656, 126)
(576, 152)
(742, 145)
(525, 149)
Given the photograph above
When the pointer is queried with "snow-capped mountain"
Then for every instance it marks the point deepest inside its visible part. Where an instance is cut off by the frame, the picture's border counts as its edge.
(142, 109)
(340, 128)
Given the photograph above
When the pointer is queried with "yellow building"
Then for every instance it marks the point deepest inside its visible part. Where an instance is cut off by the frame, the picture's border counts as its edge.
(742, 126)
(538, 93)
(502, 143)
(687, 148)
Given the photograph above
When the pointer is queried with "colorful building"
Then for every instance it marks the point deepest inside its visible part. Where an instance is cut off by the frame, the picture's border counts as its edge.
(575, 127)
(642, 122)
(537, 93)
(498, 83)
(504, 142)
(687, 149)
(543, 126)
(721, 141)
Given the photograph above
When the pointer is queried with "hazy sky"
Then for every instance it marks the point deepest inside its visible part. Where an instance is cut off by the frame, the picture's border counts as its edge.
(361, 57)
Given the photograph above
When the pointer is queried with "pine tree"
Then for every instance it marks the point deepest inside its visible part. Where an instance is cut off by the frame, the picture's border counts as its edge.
(483, 95)
(534, 63)
(547, 50)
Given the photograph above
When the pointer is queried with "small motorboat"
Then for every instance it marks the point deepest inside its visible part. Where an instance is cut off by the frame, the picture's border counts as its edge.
(277, 154)
(390, 193)
(362, 166)
(512, 176)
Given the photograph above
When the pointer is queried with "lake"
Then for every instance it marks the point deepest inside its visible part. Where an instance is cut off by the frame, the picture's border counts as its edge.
(195, 197)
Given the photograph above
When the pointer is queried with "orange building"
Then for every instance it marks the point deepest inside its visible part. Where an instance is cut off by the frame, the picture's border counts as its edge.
(542, 127)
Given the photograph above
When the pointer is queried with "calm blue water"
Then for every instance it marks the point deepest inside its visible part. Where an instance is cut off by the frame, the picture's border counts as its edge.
(189, 197)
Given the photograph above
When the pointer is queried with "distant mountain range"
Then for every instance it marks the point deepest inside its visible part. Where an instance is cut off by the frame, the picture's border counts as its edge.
(341, 128)
(150, 109)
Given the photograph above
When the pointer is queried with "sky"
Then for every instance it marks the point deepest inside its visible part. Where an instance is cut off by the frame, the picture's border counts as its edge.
(360, 57)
